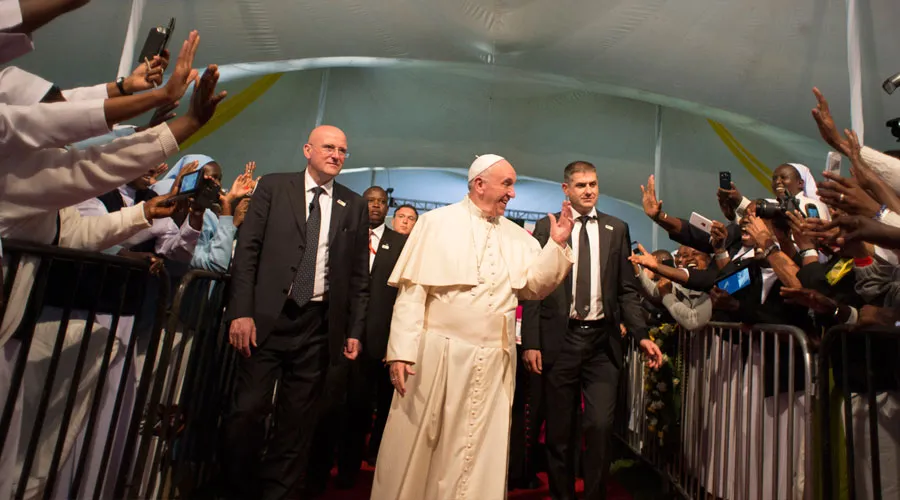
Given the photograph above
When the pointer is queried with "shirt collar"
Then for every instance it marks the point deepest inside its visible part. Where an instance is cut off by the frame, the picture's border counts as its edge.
(310, 184)
(379, 231)
(576, 215)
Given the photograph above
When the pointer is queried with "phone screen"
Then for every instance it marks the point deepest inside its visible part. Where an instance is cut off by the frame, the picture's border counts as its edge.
(833, 162)
(725, 180)
(812, 211)
(735, 282)
(189, 182)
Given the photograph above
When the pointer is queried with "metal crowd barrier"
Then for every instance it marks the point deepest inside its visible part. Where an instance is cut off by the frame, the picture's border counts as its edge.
(859, 408)
(65, 335)
(189, 388)
(105, 395)
(735, 383)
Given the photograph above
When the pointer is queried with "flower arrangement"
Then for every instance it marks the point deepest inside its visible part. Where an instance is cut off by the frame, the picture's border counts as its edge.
(663, 387)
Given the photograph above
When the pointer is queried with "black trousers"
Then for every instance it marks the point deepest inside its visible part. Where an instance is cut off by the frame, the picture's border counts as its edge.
(342, 426)
(296, 355)
(526, 453)
(583, 366)
(379, 380)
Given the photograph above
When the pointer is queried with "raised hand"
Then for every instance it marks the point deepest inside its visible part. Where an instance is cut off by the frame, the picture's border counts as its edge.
(652, 206)
(846, 194)
(644, 258)
(827, 129)
(204, 100)
(186, 169)
(148, 74)
(183, 74)
(561, 229)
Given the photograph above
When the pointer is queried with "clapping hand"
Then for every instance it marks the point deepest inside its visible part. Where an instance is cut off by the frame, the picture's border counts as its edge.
(561, 229)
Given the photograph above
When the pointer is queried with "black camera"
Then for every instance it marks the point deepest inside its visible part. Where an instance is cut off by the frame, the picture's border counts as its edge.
(777, 210)
(204, 192)
(894, 125)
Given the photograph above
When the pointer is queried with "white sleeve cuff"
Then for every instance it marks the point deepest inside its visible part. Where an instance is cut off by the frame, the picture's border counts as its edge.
(10, 14)
(853, 318)
(742, 208)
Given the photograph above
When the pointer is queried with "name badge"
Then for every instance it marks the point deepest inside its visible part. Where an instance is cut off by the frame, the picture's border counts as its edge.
(609, 227)
(341, 203)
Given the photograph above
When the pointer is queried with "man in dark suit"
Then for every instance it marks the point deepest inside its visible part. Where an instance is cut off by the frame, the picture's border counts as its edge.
(352, 385)
(299, 291)
(385, 247)
(573, 339)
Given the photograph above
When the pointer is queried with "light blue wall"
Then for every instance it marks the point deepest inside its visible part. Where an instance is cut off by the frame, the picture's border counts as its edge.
(531, 195)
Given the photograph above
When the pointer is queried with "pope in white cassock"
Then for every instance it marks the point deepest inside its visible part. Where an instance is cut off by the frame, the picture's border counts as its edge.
(452, 346)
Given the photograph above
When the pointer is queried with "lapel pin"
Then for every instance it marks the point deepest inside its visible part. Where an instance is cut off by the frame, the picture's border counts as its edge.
(386, 246)
(341, 203)
(609, 227)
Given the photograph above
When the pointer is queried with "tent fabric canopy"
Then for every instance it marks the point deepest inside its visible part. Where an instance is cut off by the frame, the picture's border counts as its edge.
(431, 83)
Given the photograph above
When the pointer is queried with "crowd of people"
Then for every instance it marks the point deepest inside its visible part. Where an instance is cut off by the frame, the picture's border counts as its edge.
(393, 345)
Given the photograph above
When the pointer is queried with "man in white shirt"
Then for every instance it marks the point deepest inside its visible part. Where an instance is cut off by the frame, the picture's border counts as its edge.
(572, 337)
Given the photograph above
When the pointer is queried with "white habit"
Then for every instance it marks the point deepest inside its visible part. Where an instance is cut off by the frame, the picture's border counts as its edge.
(460, 277)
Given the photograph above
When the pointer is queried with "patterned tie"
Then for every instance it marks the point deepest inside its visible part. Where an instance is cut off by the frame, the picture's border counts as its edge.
(371, 248)
(583, 281)
(305, 279)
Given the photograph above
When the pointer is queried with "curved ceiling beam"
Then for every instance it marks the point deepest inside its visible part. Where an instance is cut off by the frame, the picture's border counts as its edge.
(801, 143)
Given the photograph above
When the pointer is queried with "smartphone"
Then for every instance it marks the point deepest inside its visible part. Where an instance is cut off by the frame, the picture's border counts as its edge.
(156, 42)
(700, 222)
(833, 163)
(734, 282)
(190, 183)
(725, 180)
(634, 248)
(812, 211)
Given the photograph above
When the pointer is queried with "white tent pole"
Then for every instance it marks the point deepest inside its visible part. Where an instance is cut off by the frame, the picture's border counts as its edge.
(323, 96)
(126, 62)
(854, 69)
(657, 169)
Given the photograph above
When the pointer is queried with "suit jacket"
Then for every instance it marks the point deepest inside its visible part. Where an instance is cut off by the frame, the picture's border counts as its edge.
(382, 295)
(271, 243)
(544, 323)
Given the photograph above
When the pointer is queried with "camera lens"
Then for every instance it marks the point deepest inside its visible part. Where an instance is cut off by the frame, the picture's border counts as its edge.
(766, 209)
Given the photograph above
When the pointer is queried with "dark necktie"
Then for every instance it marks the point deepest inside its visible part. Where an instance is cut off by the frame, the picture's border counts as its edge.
(305, 279)
(583, 281)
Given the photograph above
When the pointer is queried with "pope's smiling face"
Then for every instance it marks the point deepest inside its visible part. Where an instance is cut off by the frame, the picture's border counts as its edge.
(494, 188)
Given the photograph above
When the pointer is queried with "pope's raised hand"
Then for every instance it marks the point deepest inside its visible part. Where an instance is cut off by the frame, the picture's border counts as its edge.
(561, 229)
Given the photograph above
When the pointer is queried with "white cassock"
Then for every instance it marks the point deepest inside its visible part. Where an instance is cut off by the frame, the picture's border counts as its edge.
(460, 277)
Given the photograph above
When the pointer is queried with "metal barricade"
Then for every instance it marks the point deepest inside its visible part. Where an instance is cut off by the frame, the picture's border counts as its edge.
(859, 412)
(189, 388)
(67, 333)
(743, 424)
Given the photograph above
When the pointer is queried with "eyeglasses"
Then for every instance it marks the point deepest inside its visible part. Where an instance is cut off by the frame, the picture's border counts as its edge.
(331, 149)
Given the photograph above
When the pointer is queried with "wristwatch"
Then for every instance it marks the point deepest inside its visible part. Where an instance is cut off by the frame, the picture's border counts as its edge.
(120, 84)
(771, 248)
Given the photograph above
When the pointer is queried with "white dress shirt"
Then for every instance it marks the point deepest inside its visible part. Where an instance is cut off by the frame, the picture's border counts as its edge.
(325, 199)
(593, 230)
(375, 236)
(12, 45)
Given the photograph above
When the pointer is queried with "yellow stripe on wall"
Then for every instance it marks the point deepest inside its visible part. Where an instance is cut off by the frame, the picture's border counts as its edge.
(231, 107)
(757, 169)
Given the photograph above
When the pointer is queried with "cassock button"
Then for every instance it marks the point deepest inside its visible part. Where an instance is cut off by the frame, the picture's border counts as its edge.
(293, 269)
(284, 290)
